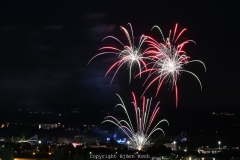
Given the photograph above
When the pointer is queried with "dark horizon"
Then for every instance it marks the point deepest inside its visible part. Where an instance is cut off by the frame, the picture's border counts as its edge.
(195, 121)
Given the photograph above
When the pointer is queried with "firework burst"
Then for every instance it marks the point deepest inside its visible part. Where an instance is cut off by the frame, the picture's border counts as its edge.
(168, 61)
(144, 119)
(130, 55)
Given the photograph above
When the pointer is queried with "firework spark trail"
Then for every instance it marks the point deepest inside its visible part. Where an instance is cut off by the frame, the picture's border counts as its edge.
(130, 54)
(169, 60)
(140, 138)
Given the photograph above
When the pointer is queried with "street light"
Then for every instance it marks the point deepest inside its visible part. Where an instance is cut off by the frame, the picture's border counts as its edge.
(174, 142)
(128, 144)
(49, 155)
(49, 148)
(219, 143)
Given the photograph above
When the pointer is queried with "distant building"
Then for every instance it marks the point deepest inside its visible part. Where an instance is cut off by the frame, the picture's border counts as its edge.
(77, 144)
(98, 146)
(210, 150)
(170, 145)
(50, 126)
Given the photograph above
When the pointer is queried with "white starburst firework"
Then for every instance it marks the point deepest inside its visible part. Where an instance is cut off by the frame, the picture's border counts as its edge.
(138, 139)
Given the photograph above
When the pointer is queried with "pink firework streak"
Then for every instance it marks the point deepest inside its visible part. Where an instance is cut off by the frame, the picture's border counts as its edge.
(138, 139)
(168, 61)
(130, 55)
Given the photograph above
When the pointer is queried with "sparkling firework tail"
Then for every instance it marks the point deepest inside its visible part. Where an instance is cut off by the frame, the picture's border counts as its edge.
(180, 34)
(159, 30)
(120, 65)
(129, 55)
(113, 38)
(127, 34)
(107, 48)
(155, 128)
(169, 60)
(199, 62)
(131, 32)
(124, 108)
(121, 127)
(140, 138)
(175, 31)
(176, 93)
(194, 76)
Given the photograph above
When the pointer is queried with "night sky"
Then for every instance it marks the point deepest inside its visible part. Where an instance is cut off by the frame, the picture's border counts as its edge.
(45, 48)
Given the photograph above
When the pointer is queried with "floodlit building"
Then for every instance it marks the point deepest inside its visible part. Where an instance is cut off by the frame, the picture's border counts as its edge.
(98, 146)
(209, 150)
(50, 126)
